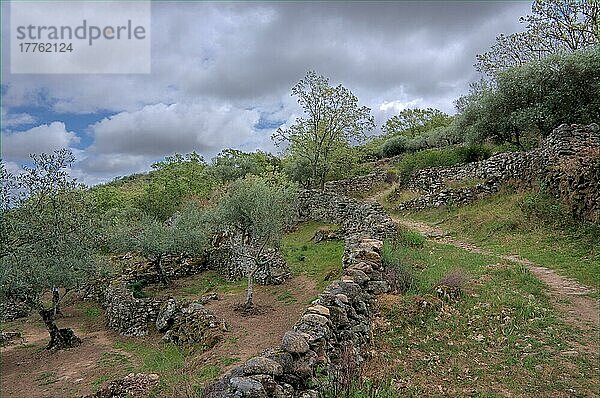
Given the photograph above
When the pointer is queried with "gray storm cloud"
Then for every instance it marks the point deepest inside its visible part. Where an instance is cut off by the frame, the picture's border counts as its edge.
(217, 67)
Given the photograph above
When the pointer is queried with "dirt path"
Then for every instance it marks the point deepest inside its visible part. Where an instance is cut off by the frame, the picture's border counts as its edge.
(248, 336)
(28, 370)
(570, 297)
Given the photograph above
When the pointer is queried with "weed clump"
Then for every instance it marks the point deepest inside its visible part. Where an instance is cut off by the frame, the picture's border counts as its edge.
(399, 274)
(450, 287)
(410, 238)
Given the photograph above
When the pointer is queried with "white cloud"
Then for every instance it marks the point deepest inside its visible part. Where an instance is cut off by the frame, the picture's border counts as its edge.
(398, 106)
(217, 67)
(163, 129)
(17, 145)
(15, 119)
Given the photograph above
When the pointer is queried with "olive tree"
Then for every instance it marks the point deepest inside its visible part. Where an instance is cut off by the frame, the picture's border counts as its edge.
(172, 181)
(534, 98)
(186, 232)
(411, 123)
(49, 235)
(333, 119)
(554, 26)
(257, 209)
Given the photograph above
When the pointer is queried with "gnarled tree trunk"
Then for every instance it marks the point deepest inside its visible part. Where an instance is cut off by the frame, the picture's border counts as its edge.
(250, 291)
(56, 301)
(59, 338)
(159, 270)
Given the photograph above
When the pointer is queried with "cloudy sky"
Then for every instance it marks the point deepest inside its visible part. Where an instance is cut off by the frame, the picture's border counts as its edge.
(221, 76)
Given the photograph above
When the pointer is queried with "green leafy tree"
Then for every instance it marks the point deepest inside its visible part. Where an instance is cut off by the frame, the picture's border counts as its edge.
(231, 164)
(394, 146)
(333, 120)
(255, 209)
(49, 237)
(534, 98)
(553, 26)
(173, 180)
(411, 123)
(187, 232)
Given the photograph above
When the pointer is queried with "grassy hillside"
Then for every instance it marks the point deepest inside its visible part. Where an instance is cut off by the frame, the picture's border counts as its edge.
(496, 335)
(530, 225)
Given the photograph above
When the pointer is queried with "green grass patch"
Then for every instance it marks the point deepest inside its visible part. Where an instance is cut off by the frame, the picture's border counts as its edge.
(229, 361)
(198, 285)
(96, 384)
(286, 297)
(46, 378)
(398, 196)
(365, 194)
(209, 372)
(162, 358)
(502, 223)
(114, 359)
(321, 261)
(501, 337)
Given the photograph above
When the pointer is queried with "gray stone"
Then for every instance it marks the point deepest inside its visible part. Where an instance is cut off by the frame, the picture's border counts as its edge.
(378, 287)
(165, 317)
(319, 310)
(247, 386)
(262, 365)
(315, 319)
(294, 342)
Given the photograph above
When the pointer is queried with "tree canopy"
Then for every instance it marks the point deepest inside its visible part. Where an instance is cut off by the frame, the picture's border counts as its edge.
(553, 26)
(256, 209)
(333, 120)
(411, 123)
(534, 98)
(50, 235)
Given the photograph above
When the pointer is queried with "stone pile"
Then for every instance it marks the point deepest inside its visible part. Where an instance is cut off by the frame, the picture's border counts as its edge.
(173, 267)
(126, 314)
(189, 325)
(184, 323)
(134, 385)
(15, 307)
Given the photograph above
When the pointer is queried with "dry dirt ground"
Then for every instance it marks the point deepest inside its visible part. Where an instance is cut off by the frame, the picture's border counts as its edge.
(29, 371)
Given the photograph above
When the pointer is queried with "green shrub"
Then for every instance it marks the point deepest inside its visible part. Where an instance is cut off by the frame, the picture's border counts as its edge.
(445, 157)
(137, 287)
(399, 274)
(473, 153)
(393, 146)
(542, 206)
(408, 237)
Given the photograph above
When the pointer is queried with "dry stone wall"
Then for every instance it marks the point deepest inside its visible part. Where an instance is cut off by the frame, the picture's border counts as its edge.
(353, 216)
(183, 323)
(126, 314)
(131, 316)
(566, 164)
(359, 184)
(338, 322)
